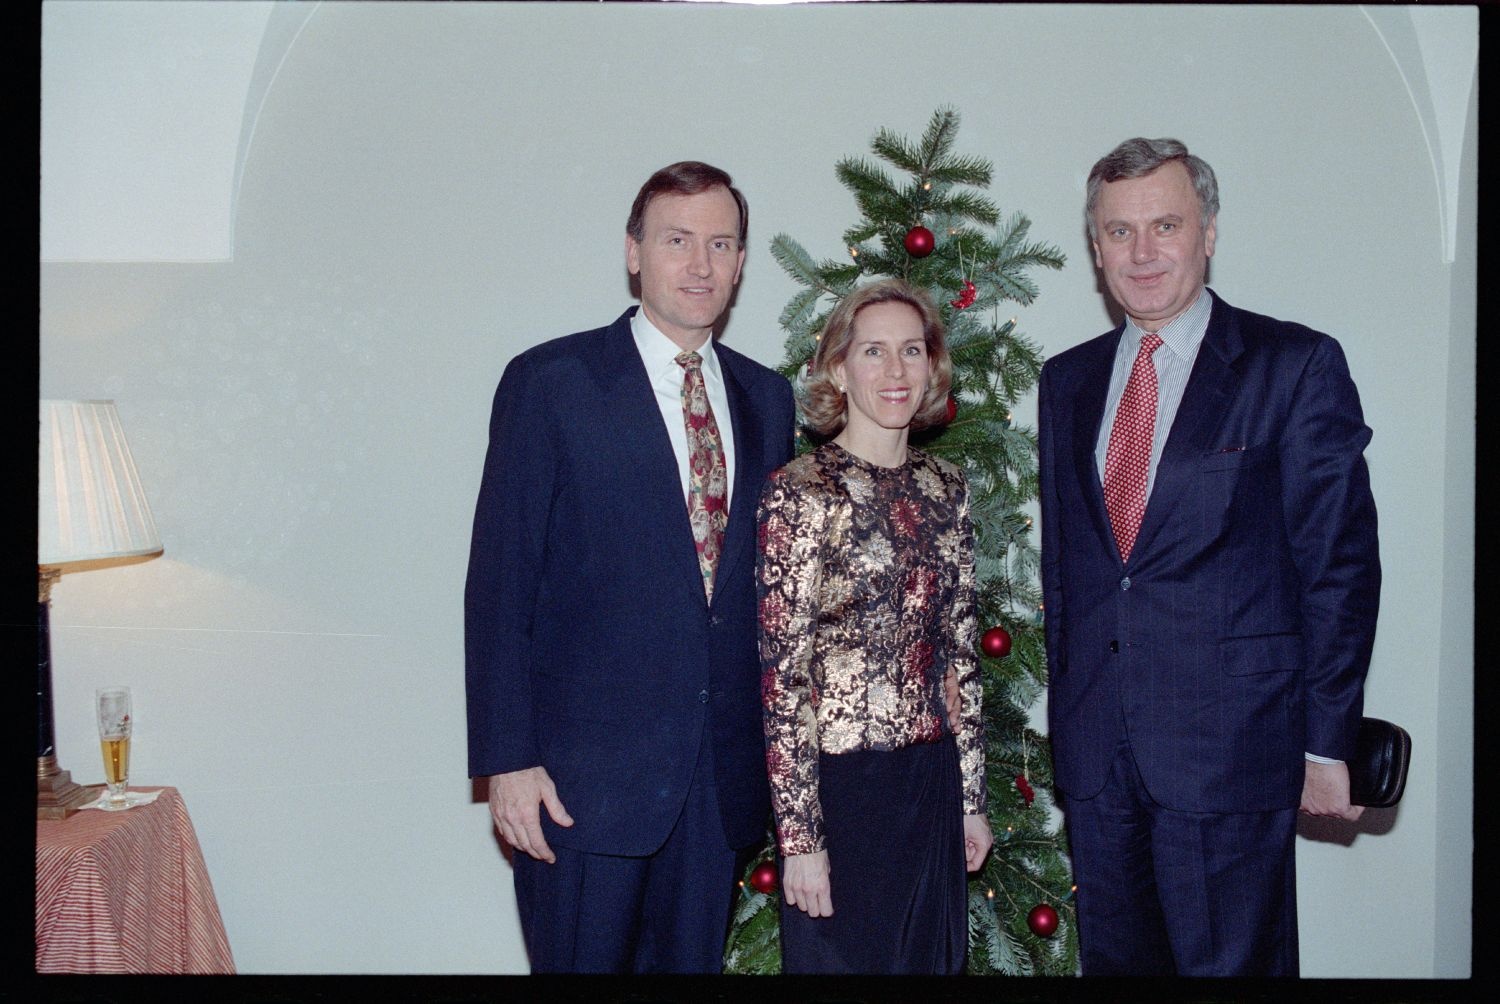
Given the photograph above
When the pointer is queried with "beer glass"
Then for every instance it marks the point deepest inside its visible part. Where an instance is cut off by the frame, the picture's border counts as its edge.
(113, 705)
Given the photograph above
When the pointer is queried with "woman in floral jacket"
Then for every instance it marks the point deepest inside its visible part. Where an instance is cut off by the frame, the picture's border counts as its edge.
(866, 582)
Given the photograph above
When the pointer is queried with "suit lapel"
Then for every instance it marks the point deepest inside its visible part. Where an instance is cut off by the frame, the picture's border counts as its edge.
(1210, 389)
(738, 535)
(1088, 418)
(650, 465)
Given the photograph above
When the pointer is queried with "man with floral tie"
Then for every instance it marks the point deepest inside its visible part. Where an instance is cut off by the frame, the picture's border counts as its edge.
(612, 672)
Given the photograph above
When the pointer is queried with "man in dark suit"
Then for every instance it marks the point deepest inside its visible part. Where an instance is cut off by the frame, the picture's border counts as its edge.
(610, 615)
(1211, 583)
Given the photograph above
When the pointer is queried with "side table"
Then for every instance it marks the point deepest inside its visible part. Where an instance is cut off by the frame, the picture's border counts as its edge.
(126, 892)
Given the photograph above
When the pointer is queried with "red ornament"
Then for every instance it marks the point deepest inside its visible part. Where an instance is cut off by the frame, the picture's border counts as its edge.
(952, 412)
(920, 242)
(995, 642)
(966, 296)
(1025, 788)
(763, 878)
(1042, 920)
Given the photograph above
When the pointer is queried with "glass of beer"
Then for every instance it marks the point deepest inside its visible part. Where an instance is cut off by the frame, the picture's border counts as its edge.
(113, 705)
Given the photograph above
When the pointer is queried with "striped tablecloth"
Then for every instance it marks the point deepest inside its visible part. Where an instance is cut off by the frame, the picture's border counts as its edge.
(126, 892)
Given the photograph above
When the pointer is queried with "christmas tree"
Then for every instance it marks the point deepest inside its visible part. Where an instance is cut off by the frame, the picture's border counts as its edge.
(934, 228)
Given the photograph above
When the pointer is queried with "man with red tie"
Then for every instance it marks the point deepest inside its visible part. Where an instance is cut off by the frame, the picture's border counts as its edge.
(1211, 582)
(610, 616)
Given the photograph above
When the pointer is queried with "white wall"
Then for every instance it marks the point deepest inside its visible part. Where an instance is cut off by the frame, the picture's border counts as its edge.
(422, 191)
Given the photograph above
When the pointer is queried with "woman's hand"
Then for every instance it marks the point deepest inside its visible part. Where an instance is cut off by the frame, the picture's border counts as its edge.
(804, 882)
(977, 840)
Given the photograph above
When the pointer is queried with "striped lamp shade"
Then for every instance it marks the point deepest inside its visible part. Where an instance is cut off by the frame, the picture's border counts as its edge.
(90, 505)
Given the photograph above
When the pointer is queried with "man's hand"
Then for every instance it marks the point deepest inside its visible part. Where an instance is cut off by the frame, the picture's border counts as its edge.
(977, 840)
(514, 798)
(804, 883)
(1325, 791)
(951, 699)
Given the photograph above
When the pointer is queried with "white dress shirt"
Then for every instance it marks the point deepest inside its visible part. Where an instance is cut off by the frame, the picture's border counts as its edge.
(1174, 360)
(659, 353)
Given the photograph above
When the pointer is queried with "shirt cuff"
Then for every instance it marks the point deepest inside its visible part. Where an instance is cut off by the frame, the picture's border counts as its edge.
(1320, 759)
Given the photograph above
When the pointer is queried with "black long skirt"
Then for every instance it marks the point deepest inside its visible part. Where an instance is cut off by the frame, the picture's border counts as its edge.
(893, 827)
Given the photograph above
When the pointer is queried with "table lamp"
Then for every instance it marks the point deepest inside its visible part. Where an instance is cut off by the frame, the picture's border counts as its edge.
(91, 513)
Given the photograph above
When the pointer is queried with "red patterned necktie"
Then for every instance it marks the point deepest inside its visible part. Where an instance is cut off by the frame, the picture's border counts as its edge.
(708, 481)
(1128, 458)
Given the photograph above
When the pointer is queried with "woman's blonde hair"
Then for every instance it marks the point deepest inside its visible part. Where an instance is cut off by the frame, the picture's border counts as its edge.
(824, 407)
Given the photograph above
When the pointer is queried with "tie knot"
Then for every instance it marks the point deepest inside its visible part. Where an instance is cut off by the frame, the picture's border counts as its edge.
(1150, 342)
(689, 361)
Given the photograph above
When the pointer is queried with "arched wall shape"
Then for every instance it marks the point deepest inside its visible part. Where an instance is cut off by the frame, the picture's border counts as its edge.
(1437, 55)
(283, 27)
(148, 114)
(159, 193)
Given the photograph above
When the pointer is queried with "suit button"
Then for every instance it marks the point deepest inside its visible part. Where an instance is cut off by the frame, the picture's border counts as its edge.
(1114, 646)
(715, 620)
(1125, 582)
(702, 697)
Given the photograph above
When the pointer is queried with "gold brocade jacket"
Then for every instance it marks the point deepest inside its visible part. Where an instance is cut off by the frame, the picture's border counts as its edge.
(867, 598)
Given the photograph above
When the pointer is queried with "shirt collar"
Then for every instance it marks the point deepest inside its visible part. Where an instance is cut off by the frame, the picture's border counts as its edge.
(1182, 336)
(659, 352)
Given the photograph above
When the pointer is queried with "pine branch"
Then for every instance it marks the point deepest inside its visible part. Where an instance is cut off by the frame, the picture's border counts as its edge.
(942, 132)
(968, 206)
(871, 186)
(894, 148)
(800, 307)
(962, 171)
(795, 261)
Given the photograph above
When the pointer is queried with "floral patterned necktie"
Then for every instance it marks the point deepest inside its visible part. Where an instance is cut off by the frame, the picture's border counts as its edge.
(1127, 460)
(708, 481)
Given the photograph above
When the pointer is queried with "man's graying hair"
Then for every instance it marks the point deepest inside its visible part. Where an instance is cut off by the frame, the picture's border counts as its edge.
(1138, 157)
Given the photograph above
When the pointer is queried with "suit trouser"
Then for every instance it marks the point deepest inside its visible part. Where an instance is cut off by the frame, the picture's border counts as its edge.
(1164, 892)
(667, 912)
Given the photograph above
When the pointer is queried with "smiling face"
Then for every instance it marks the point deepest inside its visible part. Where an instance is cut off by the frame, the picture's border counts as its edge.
(884, 373)
(1152, 245)
(689, 260)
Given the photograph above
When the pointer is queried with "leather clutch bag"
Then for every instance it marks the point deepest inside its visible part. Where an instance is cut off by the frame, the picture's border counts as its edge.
(1377, 774)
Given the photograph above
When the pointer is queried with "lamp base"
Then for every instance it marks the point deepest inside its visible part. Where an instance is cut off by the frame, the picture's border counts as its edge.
(57, 795)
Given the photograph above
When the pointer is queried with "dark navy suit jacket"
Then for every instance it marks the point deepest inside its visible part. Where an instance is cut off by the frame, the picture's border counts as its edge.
(1238, 635)
(590, 648)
